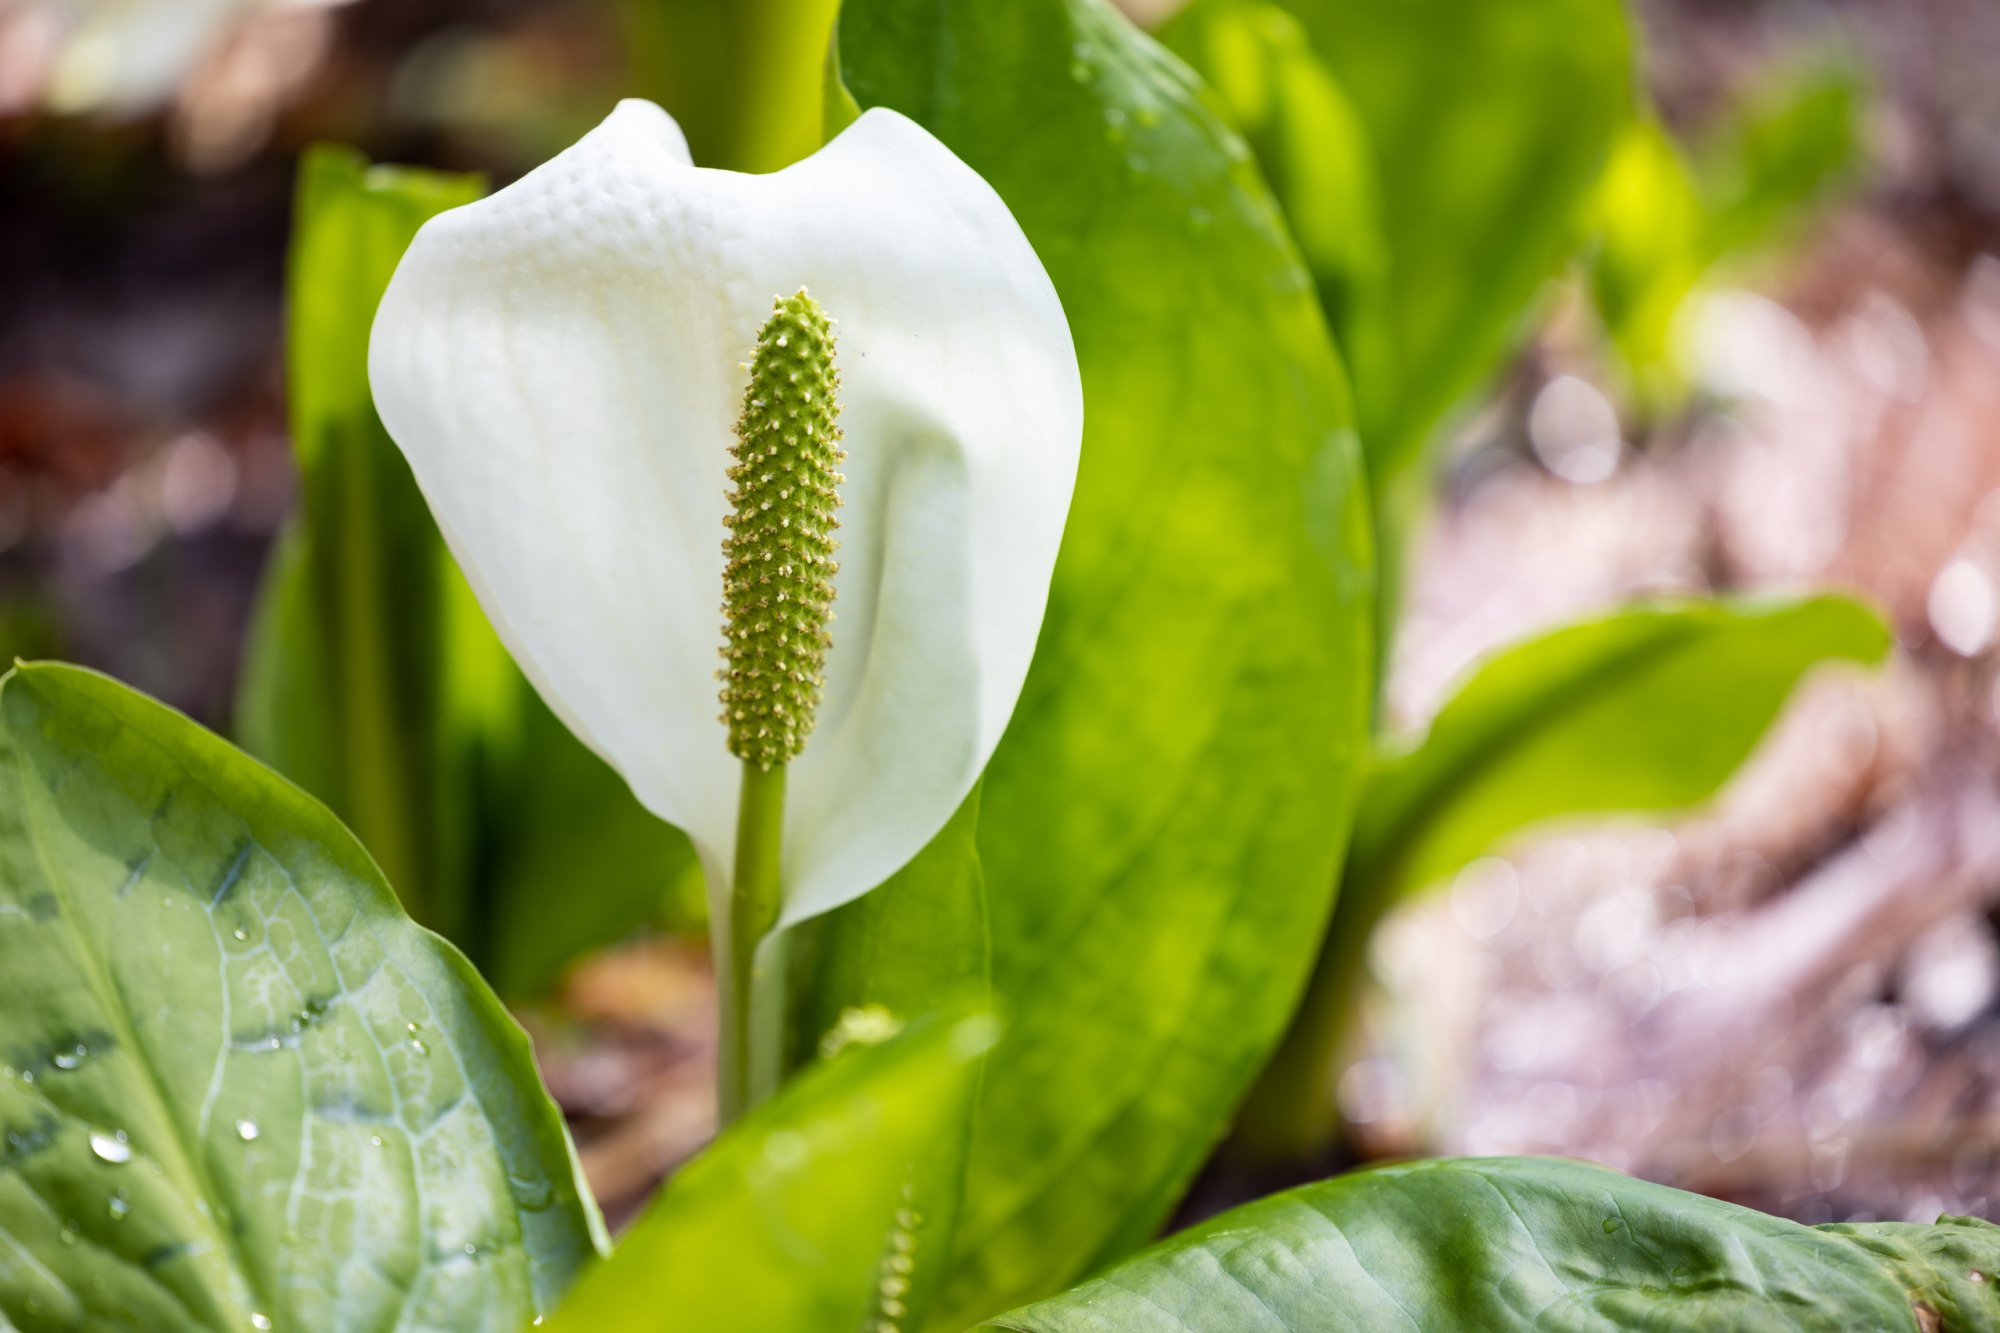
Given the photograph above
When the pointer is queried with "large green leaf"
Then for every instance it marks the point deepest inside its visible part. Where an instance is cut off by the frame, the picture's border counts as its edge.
(240, 1089)
(1488, 121)
(1160, 827)
(1432, 156)
(1311, 143)
(1523, 1243)
(372, 678)
(911, 946)
(798, 1219)
(1649, 709)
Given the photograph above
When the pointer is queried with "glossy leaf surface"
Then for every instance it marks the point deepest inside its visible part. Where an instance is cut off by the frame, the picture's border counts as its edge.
(796, 1218)
(1525, 1243)
(1160, 826)
(240, 1085)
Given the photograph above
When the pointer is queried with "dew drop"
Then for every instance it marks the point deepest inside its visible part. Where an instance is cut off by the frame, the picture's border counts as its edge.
(27, 1076)
(375, 1139)
(240, 933)
(121, 1206)
(68, 1233)
(111, 1147)
(471, 1249)
(418, 1046)
(259, 1321)
(247, 1130)
(1610, 1225)
(72, 1059)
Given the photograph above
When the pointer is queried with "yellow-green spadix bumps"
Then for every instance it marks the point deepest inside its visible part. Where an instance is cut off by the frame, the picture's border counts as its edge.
(778, 587)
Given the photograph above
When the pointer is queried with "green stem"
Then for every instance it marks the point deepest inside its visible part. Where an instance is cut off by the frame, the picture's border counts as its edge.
(1289, 1114)
(753, 911)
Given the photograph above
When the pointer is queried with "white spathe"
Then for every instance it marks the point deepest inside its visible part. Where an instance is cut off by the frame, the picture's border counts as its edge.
(563, 362)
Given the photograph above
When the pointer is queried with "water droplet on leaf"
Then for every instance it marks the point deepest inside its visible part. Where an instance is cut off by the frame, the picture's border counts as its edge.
(240, 933)
(247, 1130)
(121, 1206)
(111, 1147)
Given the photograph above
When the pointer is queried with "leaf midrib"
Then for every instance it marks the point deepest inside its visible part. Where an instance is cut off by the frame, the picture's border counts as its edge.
(187, 1168)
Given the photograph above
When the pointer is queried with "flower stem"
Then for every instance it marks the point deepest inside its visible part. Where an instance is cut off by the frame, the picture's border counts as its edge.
(753, 910)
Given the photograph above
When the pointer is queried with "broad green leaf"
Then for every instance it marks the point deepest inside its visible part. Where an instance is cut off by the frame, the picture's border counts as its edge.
(1646, 710)
(1432, 157)
(372, 678)
(1160, 827)
(1947, 1269)
(797, 1218)
(1525, 1243)
(1488, 122)
(911, 946)
(240, 1088)
(1313, 148)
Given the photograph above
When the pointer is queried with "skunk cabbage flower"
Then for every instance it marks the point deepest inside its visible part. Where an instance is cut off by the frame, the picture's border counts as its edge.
(568, 366)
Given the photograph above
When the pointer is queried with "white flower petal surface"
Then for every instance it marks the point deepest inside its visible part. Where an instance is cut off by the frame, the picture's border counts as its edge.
(563, 363)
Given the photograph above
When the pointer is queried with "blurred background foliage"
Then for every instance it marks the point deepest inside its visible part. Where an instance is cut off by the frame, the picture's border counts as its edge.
(1675, 298)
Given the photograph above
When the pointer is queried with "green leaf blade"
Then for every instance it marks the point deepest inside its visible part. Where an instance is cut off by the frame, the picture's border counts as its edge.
(240, 1080)
(796, 1217)
(1161, 824)
(1642, 711)
(1486, 145)
(1650, 709)
(1493, 1244)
